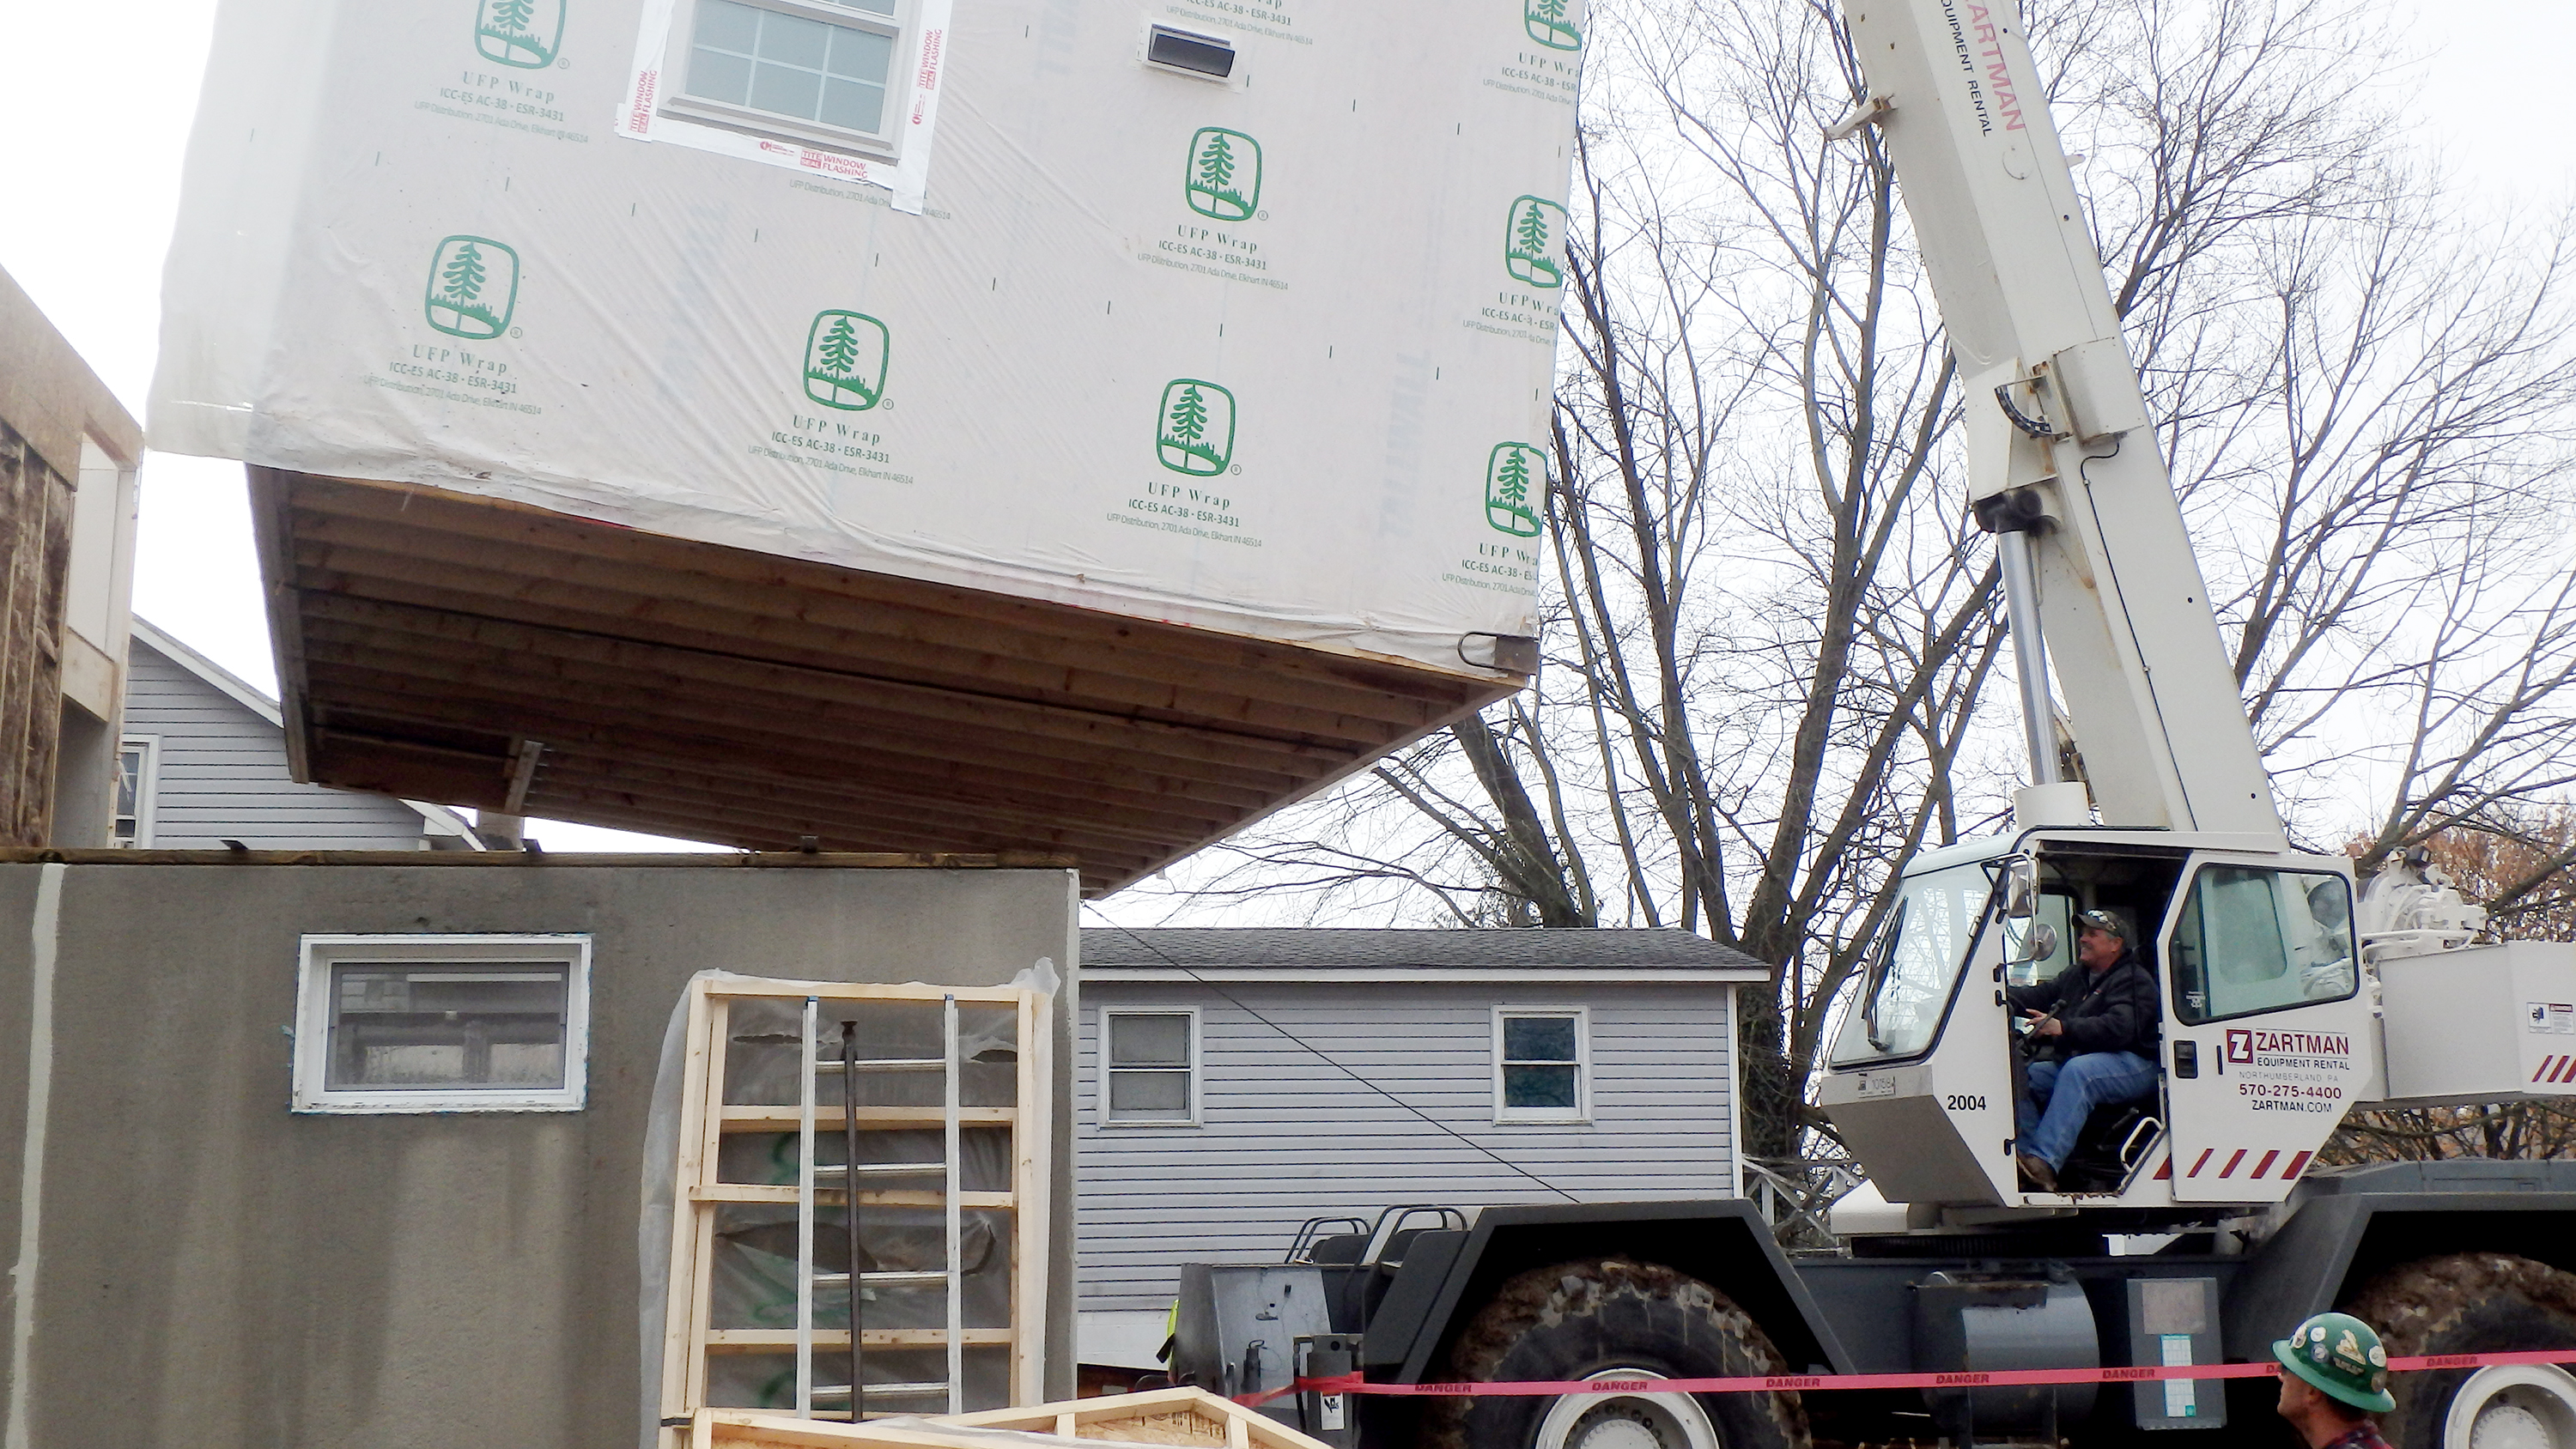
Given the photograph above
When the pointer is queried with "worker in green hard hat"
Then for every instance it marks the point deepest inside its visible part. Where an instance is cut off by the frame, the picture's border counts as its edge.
(2334, 1376)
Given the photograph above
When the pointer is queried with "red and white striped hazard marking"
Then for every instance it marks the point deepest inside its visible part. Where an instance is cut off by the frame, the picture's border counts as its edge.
(2554, 1070)
(2236, 1159)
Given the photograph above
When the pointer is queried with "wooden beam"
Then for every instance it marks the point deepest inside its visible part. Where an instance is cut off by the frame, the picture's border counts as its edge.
(423, 508)
(624, 664)
(681, 728)
(1118, 678)
(590, 775)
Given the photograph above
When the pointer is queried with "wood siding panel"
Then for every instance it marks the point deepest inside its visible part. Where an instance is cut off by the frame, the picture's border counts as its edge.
(223, 775)
(1284, 1137)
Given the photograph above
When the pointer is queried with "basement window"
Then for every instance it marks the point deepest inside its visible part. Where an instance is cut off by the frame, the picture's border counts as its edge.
(1149, 1068)
(442, 1024)
(1542, 1064)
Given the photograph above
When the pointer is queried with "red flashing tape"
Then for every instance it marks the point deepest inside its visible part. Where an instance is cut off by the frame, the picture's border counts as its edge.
(1814, 1383)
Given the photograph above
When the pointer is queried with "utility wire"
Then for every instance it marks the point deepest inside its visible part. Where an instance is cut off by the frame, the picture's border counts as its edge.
(1319, 1055)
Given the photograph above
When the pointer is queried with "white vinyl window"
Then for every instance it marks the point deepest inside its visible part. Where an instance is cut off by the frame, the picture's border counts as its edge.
(138, 779)
(811, 71)
(1542, 1064)
(442, 1024)
(1149, 1067)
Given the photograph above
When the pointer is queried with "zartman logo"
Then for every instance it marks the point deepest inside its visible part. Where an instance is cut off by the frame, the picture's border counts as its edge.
(473, 284)
(1556, 24)
(845, 360)
(1534, 242)
(1196, 431)
(1511, 471)
(523, 33)
(1224, 179)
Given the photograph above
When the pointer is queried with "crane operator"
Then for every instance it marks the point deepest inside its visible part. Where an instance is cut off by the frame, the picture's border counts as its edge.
(2094, 1031)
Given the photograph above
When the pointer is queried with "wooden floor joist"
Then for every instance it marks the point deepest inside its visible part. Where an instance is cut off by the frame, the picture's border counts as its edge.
(426, 640)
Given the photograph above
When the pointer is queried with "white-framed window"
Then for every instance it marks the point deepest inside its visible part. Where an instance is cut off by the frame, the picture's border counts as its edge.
(817, 72)
(442, 1024)
(138, 780)
(1542, 1064)
(1149, 1066)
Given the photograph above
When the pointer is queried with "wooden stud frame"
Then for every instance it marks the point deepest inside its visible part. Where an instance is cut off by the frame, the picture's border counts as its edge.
(1242, 1428)
(706, 1119)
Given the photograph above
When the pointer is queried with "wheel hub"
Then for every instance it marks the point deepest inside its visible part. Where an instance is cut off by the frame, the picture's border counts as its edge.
(1630, 1421)
(2513, 1406)
(2501, 1425)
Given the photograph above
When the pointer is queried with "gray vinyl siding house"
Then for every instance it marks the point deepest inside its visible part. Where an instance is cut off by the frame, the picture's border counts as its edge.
(206, 757)
(1315, 1058)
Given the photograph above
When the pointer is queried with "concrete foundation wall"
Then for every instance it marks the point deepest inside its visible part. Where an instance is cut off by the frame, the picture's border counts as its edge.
(212, 1270)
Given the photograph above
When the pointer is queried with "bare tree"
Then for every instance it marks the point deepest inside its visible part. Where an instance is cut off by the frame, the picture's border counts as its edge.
(1769, 626)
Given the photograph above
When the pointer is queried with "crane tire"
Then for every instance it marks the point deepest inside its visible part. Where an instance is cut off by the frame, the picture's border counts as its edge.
(2474, 1303)
(1603, 1316)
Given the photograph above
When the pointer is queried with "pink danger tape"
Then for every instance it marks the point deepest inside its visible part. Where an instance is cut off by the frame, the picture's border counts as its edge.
(1812, 1383)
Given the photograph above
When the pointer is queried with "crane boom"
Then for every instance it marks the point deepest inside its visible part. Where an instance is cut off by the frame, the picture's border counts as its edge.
(2059, 445)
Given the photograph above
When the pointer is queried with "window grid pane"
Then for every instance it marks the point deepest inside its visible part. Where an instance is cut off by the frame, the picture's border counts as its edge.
(1149, 1093)
(1541, 1063)
(1538, 1039)
(1149, 1041)
(789, 65)
(1148, 1061)
(497, 1026)
(1543, 1087)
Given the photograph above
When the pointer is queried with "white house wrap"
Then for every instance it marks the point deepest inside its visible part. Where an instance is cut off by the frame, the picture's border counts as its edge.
(1268, 354)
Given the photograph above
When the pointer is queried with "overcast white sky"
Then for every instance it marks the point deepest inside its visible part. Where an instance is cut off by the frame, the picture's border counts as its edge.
(93, 124)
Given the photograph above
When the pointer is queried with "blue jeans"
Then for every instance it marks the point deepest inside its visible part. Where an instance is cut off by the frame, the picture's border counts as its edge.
(2070, 1090)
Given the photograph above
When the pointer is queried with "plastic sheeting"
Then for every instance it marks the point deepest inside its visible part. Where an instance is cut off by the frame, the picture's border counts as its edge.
(1270, 354)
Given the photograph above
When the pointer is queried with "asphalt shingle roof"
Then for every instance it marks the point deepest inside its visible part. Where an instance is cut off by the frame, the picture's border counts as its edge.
(1326, 948)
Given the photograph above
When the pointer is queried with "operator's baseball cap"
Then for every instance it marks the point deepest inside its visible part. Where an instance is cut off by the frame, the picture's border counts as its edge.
(2102, 921)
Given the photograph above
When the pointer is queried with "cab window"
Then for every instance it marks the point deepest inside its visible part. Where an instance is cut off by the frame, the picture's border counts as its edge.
(1915, 963)
(2253, 940)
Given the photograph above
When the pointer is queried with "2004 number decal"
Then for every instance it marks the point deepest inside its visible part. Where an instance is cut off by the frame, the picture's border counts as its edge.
(1958, 1103)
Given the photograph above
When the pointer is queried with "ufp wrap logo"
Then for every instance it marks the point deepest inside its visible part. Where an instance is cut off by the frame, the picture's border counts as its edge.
(523, 33)
(2244, 1045)
(1511, 471)
(845, 360)
(473, 285)
(1533, 242)
(1556, 24)
(1196, 433)
(1224, 176)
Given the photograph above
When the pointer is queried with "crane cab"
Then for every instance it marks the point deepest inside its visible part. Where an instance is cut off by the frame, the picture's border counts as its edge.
(2265, 1033)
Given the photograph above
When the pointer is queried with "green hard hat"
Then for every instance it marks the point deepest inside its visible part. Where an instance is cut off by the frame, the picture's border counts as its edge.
(2340, 1356)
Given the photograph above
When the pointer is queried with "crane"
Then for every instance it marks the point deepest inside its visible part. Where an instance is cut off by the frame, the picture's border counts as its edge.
(2287, 998)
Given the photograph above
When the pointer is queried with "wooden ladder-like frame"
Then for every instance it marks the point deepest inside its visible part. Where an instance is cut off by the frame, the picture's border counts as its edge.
(705, 1120)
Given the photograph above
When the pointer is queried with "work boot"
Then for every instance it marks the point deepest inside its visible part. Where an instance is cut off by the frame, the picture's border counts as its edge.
(2037, 1175)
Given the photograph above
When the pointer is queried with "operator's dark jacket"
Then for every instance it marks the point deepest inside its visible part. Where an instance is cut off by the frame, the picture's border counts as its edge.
(2114, 1012)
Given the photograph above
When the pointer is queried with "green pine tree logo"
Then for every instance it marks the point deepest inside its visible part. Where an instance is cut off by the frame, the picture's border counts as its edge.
(523, 33)
(1195, 434)
(845, 360)
(473, 285)
(1224, 177)
(1513, 471)
(1553, 23)
(1532, 242)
